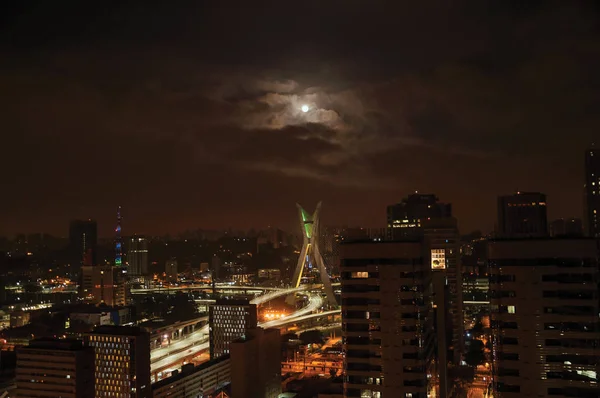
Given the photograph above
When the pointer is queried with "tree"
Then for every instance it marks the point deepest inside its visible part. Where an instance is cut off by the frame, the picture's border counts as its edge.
(478, 328)
(475, 356)
(311, 337)
(288, 336)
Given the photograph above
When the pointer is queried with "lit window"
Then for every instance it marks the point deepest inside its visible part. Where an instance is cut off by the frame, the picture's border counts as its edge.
(360, 274)
(511, 309)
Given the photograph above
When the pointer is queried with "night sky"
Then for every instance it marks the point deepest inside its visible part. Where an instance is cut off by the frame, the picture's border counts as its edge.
(188, 114)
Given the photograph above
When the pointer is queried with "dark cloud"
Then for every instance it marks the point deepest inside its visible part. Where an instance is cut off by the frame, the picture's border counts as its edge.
(190, 115)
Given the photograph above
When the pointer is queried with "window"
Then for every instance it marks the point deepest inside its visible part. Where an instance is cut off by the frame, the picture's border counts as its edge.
(511, 309)
(359, 275)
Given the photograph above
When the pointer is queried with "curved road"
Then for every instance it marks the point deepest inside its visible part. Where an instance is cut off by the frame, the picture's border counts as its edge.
(194, 343)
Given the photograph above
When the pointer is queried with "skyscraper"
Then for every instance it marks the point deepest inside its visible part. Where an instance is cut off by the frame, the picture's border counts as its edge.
(83, 241)
(522, 215)
(406, 218)
(55, 368)
(229, 319)
(592, 192)
(387, 319)
(122, 361)
(137, 257)
(443, 242)
(544, 317)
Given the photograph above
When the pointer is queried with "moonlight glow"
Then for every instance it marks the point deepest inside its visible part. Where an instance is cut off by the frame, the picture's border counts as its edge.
(305, 108)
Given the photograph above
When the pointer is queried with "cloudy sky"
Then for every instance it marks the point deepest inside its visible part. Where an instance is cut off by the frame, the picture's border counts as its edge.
(188, 114)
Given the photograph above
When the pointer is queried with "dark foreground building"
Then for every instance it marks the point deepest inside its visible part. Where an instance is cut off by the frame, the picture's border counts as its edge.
(544, 319)
(387, 319)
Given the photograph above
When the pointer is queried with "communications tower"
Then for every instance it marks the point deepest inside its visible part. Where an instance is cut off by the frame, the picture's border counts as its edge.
(310, 255)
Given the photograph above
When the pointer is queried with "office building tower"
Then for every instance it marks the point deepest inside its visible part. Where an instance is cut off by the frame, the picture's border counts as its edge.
(256, 364)
(171, 273)
(544, 317)
(122, 360)
(137, 257)
(592, 192)
(571, 227)
(229, 320)
(443, 243)
(203, 380)
(405, 219)
(83, 239)
(103, 284)
(387, 319)
(55, 368)
(522, 215)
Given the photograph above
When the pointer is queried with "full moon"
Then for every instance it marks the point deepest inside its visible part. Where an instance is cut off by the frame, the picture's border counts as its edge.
(305, 108)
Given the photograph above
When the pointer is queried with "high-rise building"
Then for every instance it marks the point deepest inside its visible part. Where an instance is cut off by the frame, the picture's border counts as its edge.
(443, 242)
(103, 284)
(544, 317)
(83, 240)
(592, 192)
(137, 257)
(566, 227)
(229, 319)
(55, 368)
(256, 364)
(522, 215)
(406, 218)
(171, 272)
(387, 319)
(203, 380)
(122, 361)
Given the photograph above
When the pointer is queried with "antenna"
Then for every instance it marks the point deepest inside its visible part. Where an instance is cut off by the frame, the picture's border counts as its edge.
(118, 240)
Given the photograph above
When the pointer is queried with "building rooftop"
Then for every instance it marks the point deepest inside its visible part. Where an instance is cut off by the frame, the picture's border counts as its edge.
(236, 301)
(56, 344)
(187, 371)
(119, 330)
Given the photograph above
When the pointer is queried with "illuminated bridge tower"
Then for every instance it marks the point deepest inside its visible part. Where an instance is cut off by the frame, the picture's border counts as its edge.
(310, 255)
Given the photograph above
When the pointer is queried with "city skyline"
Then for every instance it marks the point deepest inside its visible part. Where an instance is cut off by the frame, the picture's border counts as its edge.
(210, 114)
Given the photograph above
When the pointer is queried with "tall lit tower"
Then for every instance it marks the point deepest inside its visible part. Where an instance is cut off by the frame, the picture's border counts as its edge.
(310, 254)
(118, 240)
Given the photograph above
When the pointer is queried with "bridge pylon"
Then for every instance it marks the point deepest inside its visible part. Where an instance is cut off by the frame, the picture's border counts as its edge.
(310, 254)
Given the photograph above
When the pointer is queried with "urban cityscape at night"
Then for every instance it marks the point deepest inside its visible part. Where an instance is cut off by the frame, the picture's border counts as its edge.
(319, 199)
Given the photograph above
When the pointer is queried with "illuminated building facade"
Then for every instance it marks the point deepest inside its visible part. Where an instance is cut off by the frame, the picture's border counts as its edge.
(592, 192)
(83, 241)
(522, 215)
(256, 364)
(137, 257)
(196, 381)
(387, 319)
(310, 255)
(229, 319)
(544, 317)
(55, 368)
(122, 360)
(405, 219)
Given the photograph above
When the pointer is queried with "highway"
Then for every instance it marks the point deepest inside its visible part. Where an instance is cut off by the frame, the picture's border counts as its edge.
(181, 350)
(314, 303)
